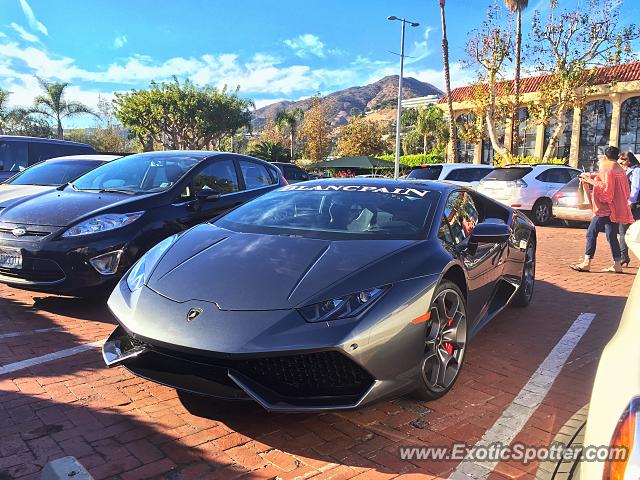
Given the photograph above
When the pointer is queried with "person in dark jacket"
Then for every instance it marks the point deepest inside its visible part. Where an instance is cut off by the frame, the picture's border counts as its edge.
(630, 163)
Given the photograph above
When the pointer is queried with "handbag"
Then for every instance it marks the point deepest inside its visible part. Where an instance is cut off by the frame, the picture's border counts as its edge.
(583, 198)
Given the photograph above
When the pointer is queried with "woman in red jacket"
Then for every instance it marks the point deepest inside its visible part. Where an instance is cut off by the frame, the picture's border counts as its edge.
(610, 200)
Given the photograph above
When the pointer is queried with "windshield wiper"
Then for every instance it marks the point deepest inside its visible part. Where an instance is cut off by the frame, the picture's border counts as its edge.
(115, 190)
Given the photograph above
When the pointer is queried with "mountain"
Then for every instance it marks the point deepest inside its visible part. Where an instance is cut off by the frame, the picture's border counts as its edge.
(380, 97)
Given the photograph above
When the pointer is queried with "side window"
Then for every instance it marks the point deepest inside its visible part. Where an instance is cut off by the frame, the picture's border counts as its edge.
(555, 175)
(255, 175)
(220, 176)
(444, 233)
(13, 156)
(462, 215)
(39, 151)
(574, 173)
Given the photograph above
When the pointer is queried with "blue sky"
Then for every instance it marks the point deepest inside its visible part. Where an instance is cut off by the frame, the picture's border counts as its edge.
(272, 49)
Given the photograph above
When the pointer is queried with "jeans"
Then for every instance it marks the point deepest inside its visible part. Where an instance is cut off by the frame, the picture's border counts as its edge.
(603, 224)
(635, 210)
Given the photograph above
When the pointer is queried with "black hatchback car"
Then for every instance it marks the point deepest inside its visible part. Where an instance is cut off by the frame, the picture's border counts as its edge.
(85, 235)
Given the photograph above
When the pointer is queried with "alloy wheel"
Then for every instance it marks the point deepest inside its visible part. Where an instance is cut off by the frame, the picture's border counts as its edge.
(529, 273)
(542, 213)
(445, 342)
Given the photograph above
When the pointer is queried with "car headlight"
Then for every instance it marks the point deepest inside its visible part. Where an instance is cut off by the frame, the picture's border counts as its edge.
(344, 307)
(102, 223)
(139, 274)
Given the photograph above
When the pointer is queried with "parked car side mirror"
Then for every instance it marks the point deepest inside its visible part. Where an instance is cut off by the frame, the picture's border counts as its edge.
(490, 233)
(207, 195)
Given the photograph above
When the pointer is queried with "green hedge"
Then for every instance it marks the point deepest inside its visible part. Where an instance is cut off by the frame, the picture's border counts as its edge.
(415, 160)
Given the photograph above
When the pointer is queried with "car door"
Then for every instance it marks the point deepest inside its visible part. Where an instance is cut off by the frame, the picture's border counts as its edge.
(218, 176)
(257, 178)
(553, 179)
(461, 215)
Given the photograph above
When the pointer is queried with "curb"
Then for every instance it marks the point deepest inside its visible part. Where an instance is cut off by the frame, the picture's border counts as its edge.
(65, 468)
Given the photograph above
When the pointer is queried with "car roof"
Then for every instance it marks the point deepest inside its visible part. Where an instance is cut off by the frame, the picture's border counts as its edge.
(385, 182)
(18, 138)
(455, 165)
(537, 165)
(95, 158)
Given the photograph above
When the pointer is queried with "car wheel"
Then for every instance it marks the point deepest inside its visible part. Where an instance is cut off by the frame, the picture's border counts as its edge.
(445, 342)
(527, 282)
(570, 435)
(542, 211)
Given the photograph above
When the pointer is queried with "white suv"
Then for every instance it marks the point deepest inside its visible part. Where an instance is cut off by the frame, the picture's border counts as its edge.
(465, 174)
(528, 187)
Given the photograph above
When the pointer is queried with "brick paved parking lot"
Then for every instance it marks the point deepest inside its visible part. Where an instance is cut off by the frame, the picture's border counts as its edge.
(120, 426)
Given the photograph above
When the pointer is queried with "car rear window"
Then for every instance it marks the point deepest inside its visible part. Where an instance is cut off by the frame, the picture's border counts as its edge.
(508, 174)
(336, 211)
(467, 174)
(54, 173)
(430, 172)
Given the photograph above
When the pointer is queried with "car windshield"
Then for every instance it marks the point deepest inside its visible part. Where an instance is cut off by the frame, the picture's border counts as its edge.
(336, 211)
(431, 172)
(54, 173)
(142, 173)
(507, 174)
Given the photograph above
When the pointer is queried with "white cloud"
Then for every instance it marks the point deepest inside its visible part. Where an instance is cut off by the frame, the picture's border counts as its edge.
(120, 41)
(34, 23)
(420, 49)
(305, 45)
(29, 37)
(3, 35)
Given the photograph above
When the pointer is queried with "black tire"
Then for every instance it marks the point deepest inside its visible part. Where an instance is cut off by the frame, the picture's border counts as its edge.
(571, 435)
(524, 294)
(436, 333)
(542, 211)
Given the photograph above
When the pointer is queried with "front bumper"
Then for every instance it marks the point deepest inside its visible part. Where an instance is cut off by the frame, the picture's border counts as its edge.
(52, 264)
(272, 357)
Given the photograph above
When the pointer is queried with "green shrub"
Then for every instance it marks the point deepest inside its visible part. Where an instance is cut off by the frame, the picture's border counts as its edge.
(417, 159)
(500, 161)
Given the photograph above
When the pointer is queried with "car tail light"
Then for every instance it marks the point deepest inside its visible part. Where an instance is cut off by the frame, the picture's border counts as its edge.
(626, 436)
(559, 195)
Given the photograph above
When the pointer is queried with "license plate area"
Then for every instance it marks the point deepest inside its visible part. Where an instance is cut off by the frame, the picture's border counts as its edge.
(10, 258)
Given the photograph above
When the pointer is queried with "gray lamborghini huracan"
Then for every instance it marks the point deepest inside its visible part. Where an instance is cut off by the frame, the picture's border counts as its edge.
(328, 294)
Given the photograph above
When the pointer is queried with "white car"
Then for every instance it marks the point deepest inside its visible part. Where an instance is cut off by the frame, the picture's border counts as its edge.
(529, 188)
(612, 418)
(465, 174)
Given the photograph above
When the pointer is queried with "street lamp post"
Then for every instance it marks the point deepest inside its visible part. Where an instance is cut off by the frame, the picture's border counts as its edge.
(396, 170)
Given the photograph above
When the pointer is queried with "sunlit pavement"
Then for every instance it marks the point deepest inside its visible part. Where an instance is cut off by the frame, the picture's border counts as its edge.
(57, 398)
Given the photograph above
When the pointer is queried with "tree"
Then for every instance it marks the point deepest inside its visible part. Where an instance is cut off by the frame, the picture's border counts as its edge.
(271, 152)
(361, 137)
(411, 142)
(516, 6)
(432, 127)
(315, 131)
(53, 104)
(5, 110)
(488, 48)
(447, 84)
(290, 119)
(182, 116)
(567, 48)
(18, 121)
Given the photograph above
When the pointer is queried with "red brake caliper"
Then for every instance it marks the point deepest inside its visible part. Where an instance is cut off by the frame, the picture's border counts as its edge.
(447, 345)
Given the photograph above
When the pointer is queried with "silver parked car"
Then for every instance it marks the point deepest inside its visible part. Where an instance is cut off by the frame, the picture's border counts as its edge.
(529, 188)
(463, 174)
(567, 205)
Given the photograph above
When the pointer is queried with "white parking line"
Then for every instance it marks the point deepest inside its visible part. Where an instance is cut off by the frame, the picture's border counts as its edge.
(514, 418)
(30, 362)
(29, 332)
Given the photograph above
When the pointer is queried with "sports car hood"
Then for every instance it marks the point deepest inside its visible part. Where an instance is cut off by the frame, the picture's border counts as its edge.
(243, 271)
(12, 193)
(62, 208)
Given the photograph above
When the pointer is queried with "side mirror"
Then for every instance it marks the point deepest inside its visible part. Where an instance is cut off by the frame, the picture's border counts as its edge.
(490, 233)
(207, 195)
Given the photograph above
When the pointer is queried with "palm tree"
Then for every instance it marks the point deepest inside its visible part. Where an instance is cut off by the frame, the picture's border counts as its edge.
(447, 80)
(53, 104)
(269, 151)
(290, 119)
(431, 125)
(516, 6)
